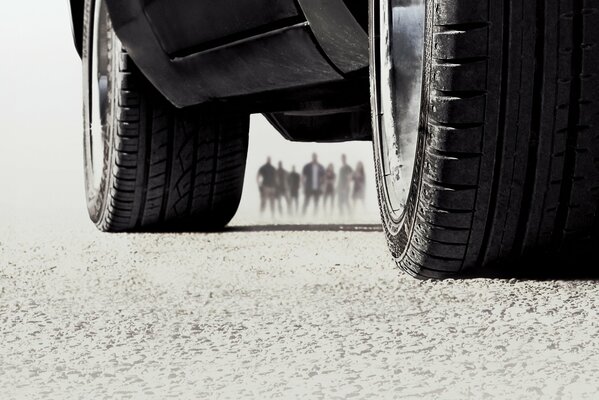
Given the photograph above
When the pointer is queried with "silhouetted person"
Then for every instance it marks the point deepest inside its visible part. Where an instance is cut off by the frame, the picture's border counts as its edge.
(329, 187)
(293, 183)
(281, 186)
(312, 180)
(344, 185)
(359, 194)
(267, 184)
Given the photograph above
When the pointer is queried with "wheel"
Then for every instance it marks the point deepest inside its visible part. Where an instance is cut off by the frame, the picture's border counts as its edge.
(149, 165)
(486, 132)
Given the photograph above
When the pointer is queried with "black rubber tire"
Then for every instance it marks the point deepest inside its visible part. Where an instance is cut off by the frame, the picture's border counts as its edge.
(164, 168)
(508, 154)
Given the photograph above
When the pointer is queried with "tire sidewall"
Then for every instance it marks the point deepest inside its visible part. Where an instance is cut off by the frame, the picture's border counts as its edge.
(96, 196)
(398, 230)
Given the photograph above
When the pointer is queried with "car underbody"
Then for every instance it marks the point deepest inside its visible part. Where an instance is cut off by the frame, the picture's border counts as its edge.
(301, 63)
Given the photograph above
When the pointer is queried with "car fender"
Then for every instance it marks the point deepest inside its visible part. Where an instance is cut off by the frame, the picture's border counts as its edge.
(194, 51)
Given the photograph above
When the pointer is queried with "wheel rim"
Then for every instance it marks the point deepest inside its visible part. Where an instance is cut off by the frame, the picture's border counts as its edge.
(98, 84)
(398, 68)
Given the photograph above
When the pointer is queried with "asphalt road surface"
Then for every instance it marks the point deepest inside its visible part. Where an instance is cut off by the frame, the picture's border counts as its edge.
(276, 312)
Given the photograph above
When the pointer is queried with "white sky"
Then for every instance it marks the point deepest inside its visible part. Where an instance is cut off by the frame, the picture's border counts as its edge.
(40, 116)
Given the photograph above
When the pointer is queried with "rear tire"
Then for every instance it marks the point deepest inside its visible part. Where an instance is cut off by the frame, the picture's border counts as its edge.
(507, 151)
(149, 165)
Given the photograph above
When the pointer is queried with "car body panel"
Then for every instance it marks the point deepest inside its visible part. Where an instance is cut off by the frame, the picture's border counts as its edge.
(278, 60)
(189, 26)
(338, 33)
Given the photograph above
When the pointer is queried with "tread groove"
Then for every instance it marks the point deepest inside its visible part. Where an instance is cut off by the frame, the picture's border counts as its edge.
(169, 167)
(573, 129)
(505, 54)
(535, 130)
(146, 166)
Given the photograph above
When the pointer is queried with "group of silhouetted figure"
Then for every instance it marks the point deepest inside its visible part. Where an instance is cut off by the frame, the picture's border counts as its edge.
(344, 188)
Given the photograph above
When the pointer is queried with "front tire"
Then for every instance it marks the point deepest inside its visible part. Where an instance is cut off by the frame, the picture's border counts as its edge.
(149, 165)
(493, 152)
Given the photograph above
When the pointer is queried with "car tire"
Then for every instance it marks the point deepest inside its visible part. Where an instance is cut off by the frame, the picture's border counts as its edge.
(149, 165)
(490, 150)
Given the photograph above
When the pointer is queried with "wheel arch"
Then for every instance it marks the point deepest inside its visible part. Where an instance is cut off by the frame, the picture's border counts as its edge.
(201, 58)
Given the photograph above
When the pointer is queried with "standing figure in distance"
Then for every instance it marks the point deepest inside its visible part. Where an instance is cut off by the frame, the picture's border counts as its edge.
(281, 185)
(293, 183)
(359, 177)
(344, 186)
(267, 186)
(312, 181)
(329, 188)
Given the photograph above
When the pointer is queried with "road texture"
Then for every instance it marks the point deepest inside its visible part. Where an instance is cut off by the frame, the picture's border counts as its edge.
(270, 312)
